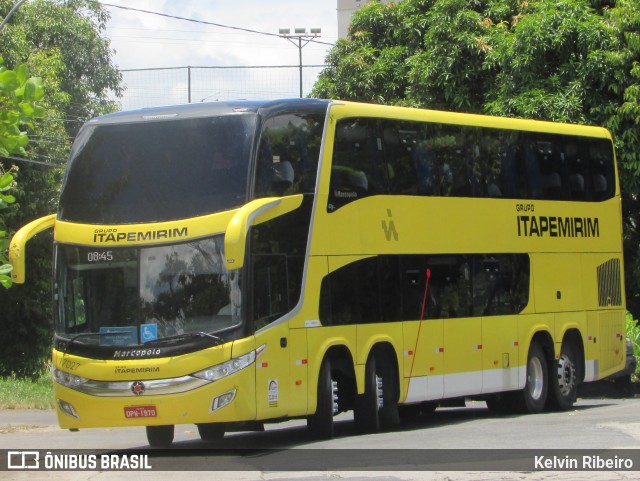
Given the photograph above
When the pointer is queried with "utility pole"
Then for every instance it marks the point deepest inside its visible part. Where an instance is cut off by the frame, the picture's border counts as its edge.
(297, 38)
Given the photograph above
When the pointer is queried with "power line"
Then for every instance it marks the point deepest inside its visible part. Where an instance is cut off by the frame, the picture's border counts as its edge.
(219, 67)
(202, 22)
(31, 161)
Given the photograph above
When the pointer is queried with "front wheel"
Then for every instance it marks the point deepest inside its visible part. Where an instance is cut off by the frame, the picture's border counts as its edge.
(160, 436)
(563, 380)
(320, 423)
(210, 432)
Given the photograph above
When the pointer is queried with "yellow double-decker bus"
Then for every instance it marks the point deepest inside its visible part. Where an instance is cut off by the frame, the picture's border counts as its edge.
(236, 263)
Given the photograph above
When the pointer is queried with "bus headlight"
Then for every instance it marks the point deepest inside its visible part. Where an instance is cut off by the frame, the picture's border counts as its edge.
(67, 379)
(232, 366)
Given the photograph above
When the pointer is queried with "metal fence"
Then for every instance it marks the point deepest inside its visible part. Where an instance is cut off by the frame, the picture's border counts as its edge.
(153, 87)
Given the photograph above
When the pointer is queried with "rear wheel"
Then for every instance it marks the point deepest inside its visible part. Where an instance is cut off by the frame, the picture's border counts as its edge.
(563, 378)
(160, 436)
(366, 413)
(534, 394)
(320, 423)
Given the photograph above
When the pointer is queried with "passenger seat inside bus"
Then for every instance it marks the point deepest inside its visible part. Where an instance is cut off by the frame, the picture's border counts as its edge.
(282, 177)
(599, 186)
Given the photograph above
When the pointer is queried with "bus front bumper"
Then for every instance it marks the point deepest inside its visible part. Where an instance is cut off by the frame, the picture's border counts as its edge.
(226, 400)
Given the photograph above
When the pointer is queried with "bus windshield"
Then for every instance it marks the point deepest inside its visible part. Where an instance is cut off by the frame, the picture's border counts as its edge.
(132, 296)
(158, 170)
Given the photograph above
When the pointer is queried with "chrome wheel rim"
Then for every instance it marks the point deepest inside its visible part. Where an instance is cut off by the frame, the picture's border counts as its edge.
(566, 375)
(535, 378)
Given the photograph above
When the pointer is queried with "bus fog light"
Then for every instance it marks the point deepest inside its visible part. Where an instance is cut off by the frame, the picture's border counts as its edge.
(222, 400)
(68, 409)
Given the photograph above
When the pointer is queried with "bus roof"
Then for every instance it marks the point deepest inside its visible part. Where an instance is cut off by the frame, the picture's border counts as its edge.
(346, 109)
(354, 109)
(204, 109)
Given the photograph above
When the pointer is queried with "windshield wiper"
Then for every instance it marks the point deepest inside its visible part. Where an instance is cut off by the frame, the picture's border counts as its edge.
(87, 334)
(182, 337)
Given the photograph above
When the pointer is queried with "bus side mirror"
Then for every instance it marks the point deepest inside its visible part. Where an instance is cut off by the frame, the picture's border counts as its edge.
(18, 242)
(255, 212)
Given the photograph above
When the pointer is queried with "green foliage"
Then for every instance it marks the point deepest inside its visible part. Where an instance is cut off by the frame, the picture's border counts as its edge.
(573, 61)
(6, 183)
(633, 332)
(60, 41)
(19, 95)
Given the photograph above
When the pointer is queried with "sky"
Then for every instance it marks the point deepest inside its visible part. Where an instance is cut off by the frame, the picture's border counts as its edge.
(142, 40)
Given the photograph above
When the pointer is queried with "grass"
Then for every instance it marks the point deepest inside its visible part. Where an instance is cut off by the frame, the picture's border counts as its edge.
(19, 393)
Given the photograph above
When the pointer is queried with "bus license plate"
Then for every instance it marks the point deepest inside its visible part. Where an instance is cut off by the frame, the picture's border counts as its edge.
(132, 412)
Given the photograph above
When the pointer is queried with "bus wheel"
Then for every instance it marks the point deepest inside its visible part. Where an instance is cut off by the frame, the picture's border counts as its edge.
(210, 432)
(320, 424)
(160, 436)
(564, 380)
(534, 395)
(366, 413)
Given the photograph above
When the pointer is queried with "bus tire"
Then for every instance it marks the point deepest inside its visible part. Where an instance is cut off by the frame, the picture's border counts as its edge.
(210, 431)
(534, 394)
(366, 413)
(563, 379)
(160, 436)
(320, 423)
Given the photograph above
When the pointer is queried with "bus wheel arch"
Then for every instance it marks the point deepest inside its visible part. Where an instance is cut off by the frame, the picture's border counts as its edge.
(566, 372)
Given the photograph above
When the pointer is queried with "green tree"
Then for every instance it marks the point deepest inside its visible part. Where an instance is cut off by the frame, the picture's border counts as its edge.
(61, 42)
(6, 181)
(562, 60)
(19, 95)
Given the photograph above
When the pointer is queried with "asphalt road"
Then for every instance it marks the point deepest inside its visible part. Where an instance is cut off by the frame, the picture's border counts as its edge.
(443, 446)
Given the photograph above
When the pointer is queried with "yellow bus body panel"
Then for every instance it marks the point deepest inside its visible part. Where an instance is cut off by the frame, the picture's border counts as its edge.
(436, 358)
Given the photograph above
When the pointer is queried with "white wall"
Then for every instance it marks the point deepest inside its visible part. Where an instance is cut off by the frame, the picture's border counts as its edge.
(345, 11)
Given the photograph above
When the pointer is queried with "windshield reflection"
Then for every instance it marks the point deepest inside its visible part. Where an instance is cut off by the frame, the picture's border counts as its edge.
(133, 296)
(186, 288)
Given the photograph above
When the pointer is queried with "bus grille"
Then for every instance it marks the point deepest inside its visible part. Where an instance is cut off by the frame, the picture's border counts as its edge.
(609, 284)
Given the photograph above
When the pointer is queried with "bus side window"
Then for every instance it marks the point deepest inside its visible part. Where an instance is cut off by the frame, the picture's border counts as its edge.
(400, 142)
(274, 174)
(534, 174)
(424, 168)
(579, 189)
(287, 157)
(357, 164)
(449, 292)
(461, 162)
(601, 167)
(546, 169)
(500, 284)
(351, 294)
(489, 297)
